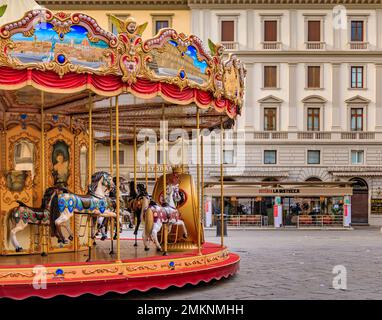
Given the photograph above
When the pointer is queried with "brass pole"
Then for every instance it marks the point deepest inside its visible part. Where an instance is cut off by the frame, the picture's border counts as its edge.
(90, 167)
(156, 160)
(221, 182)
(135, 157)
(182, 151)
(111, 151)
(202, 184)
(147, 163)
(165, 225)
(117, 173)
(198, 177)
(44, 235)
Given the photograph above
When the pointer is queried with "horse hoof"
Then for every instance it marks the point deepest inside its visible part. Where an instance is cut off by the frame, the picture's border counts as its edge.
(131, 226)
(185, 236)
(103, 238)
(71, 238)
(111, 252)
(135, 245)
(114, 238)
(135, 233)
(165, 253)
(159, 249)
(147, 249)
(19, 249)
(94, 243)
(44, 254)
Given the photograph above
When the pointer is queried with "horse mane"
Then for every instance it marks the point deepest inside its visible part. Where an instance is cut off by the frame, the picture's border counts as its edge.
(94, 181)
(48, 194)
(142, 190)
(133, 192)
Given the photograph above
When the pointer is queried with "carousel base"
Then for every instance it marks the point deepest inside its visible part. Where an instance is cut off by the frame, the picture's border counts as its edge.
(69, 274)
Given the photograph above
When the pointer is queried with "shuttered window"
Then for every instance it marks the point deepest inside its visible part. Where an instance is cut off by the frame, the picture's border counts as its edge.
(270, 119)
(314, 31)
(270, 76)
(314, 77)
(313, 119)
(357, 77)
(270, 30)
(228, 30)
(357, 31)
(356, 121)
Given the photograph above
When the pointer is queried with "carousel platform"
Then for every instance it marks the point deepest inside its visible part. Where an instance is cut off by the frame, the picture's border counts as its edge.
(69, 274)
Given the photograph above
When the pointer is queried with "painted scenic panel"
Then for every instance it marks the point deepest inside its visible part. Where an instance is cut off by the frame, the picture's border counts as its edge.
(180, 61)
(45, 45)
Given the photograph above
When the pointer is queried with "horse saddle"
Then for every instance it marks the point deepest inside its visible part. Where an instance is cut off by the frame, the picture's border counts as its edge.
(22, 204)
(38, 213)
(86, 200)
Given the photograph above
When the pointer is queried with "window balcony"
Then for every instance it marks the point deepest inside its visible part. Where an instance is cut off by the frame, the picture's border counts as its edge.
(315, 45)
(271, 45)
(315, 135)
(230, 45)
(358, 45)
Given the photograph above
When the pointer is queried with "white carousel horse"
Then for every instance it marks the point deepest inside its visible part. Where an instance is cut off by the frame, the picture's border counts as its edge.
(19, 217)
(95, 204)
(155, 215)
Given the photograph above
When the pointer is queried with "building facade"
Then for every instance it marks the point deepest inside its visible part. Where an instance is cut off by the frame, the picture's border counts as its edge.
(313, 105)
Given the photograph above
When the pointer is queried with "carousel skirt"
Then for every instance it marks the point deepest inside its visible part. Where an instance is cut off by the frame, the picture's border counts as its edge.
(30, 277)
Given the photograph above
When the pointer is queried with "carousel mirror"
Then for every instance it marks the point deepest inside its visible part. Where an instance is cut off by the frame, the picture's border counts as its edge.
(83, 167)
(24, 156)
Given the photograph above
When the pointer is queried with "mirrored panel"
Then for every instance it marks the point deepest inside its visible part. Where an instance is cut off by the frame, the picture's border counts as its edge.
(83, 167)
(24, 156)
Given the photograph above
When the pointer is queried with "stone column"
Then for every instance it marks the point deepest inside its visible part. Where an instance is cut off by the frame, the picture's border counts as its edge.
(293, 29)
(249, 99)
(378, 97)
(292, 97)
(336, 97)
(250, 29)
(206, 25)
(379, 28)
(195, 22)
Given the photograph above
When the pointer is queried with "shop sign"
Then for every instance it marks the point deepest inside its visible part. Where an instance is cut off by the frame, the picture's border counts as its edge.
(376, 205)
(279, 191)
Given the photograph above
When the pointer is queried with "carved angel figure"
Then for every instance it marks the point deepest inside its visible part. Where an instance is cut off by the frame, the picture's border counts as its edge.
(217, 51)
(129, 26)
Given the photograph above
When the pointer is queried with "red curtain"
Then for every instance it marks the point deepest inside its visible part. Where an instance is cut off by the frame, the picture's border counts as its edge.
(11, 79)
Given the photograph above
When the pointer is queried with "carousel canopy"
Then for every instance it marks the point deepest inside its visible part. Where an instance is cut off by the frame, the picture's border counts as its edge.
(70, 58)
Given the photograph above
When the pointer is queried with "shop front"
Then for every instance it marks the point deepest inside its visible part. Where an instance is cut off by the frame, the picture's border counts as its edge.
(292, 204)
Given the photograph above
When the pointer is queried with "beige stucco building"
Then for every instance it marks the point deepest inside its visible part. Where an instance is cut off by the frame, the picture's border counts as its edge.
(313, 104)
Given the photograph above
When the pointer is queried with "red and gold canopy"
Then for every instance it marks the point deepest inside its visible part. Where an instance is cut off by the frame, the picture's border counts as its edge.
(69, 55)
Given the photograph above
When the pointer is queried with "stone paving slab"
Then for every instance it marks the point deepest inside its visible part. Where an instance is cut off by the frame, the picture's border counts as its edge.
(291, 265)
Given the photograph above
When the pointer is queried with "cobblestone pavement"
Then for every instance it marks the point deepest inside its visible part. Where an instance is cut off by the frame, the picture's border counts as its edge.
(291, 264)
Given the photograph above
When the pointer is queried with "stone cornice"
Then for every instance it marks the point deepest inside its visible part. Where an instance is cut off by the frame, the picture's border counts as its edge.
(282, 4)
(114, 4)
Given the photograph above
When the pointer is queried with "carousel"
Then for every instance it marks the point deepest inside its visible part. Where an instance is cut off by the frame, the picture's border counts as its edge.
(66, 83)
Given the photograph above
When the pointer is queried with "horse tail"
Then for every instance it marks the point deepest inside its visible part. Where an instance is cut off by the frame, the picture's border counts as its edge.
(54, 214)
(10, 224)
(148, 217)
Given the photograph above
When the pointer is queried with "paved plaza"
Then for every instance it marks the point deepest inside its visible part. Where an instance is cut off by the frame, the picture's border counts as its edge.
(291, 264)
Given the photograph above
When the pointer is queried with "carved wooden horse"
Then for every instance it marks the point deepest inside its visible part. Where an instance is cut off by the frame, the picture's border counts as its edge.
(155, 215)
(19, 217)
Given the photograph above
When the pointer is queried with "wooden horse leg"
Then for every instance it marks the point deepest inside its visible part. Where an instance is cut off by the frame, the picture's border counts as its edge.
(19, 227)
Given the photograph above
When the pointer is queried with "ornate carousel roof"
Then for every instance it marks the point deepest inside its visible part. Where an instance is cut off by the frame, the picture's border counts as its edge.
(69, 57)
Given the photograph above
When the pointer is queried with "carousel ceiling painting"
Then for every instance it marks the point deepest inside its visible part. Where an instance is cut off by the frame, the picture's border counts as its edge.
(71, 54)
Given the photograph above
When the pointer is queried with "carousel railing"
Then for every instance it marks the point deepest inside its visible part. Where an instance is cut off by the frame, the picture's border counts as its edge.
(320, 221)
(246, 220)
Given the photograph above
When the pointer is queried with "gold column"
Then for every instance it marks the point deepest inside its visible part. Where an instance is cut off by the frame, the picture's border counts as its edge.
(221, 182)
(117, 177)
(198, 176)
(165, 225)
